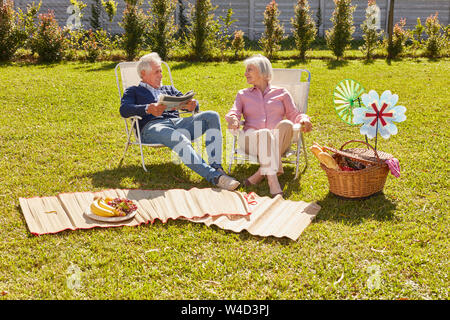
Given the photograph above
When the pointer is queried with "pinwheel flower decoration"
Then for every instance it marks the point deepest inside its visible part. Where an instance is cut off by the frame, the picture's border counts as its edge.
(379, 114)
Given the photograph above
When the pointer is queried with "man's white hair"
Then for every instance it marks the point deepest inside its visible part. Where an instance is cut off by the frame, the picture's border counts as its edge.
(146, 61)
(262, 64)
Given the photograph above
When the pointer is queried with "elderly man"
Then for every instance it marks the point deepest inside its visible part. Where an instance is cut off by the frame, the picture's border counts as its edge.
(168, 128)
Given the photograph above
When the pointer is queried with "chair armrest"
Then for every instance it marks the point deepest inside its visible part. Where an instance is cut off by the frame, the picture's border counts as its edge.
(297, 132)
(133, 117)
(235, 132)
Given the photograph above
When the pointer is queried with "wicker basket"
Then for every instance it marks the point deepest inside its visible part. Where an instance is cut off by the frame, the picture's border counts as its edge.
(359, 183)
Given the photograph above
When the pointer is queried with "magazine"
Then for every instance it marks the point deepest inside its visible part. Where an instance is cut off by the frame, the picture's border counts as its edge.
(175, 102)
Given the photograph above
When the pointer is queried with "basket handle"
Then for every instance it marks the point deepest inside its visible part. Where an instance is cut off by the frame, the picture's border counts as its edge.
(367, 144)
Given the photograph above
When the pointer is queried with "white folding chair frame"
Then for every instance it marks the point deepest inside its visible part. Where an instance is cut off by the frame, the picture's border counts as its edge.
(132, 129)
(293, 78)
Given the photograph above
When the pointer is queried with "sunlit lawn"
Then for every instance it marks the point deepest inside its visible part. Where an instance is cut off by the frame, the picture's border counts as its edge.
(61, 132)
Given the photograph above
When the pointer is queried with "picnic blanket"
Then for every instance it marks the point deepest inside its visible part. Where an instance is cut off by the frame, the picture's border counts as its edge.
(229, 210)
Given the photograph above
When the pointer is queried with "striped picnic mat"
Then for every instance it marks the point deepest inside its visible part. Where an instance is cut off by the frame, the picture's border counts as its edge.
(230, 210)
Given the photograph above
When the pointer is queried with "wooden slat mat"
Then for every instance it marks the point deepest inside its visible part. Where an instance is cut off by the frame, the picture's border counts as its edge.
(66, 211)
(228, 210)
(269, 217)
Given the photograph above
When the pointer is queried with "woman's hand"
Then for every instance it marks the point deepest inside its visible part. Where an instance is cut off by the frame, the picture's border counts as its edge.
(233, 124)
(306, 125)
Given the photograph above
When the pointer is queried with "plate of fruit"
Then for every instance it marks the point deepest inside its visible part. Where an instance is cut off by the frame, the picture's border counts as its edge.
(111, 209)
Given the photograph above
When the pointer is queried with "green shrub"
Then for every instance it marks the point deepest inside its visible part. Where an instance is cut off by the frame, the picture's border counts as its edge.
(11, 34)
(304, 28)
(273, 32)
(48, 41)
(416, 36)
(237, 44)
(161, 28)
(110, 7)
(340, 35)
(96, 14)
(202, 30)
(369, 27)
(434, 42)
(133, 24)
(224, 36)
(417, 32)
(92, 46)
(183, 22)
(399, 37)
(446, 37)
(28, 21)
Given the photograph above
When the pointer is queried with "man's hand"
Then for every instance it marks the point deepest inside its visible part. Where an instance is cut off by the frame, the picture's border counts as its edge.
(306, 125)
(156, 109)
(233, 124)
(190, 105)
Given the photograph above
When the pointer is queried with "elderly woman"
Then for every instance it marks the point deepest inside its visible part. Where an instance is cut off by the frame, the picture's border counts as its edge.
(266, 134)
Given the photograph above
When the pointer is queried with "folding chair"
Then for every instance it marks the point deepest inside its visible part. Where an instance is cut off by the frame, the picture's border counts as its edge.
(130, 77)
(291, 80)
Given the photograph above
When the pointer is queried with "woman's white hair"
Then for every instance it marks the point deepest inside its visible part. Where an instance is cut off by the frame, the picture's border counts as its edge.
(262, 64)
(146, 61)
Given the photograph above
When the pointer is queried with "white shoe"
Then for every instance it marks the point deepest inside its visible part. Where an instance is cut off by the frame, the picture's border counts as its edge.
(227, 183)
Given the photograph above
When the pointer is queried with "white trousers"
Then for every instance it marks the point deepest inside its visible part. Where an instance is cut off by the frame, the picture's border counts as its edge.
(267, 145)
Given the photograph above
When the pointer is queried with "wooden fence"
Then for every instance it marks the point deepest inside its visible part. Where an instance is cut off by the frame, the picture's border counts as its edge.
(249, 13)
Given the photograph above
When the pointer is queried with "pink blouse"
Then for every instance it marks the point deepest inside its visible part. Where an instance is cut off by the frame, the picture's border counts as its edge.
(264, 110)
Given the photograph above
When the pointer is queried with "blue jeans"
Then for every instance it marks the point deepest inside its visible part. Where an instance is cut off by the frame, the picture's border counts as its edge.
(178, 134)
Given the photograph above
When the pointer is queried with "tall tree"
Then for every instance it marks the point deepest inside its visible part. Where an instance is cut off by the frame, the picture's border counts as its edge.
(274, 31)
(202, 29)
(339, 36)
(304, 28)
(161, 26)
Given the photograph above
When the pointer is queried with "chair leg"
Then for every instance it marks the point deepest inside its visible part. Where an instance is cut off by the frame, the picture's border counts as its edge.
(124, 152)
(298, 156)
(142, 158)
(232, 157)
(304, 152)
(297, 162)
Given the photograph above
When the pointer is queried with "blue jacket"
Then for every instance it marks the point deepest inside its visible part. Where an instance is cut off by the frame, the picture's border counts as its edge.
(135, 100)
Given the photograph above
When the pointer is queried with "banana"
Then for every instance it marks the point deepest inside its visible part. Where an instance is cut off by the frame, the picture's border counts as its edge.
(107, 199)
(103, 204)
(97, 209)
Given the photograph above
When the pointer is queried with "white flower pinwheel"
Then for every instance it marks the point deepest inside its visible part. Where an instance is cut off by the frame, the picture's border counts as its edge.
(381, 110)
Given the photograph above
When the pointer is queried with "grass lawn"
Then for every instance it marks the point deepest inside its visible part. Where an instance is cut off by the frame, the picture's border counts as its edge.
(61, 132)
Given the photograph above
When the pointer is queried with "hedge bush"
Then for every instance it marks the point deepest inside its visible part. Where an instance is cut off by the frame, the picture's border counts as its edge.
(304, 27)
(11, 34)
(273, 32)
(49, 40)
(339, 36)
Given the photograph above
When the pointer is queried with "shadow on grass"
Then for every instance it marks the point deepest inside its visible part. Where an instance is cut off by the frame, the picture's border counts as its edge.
(162, 176)
(334, 64)
(355, 211)
(287, 181)
(182, 65)
(296, 62)
(367, 62)
(95, 67)
(103, 67)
